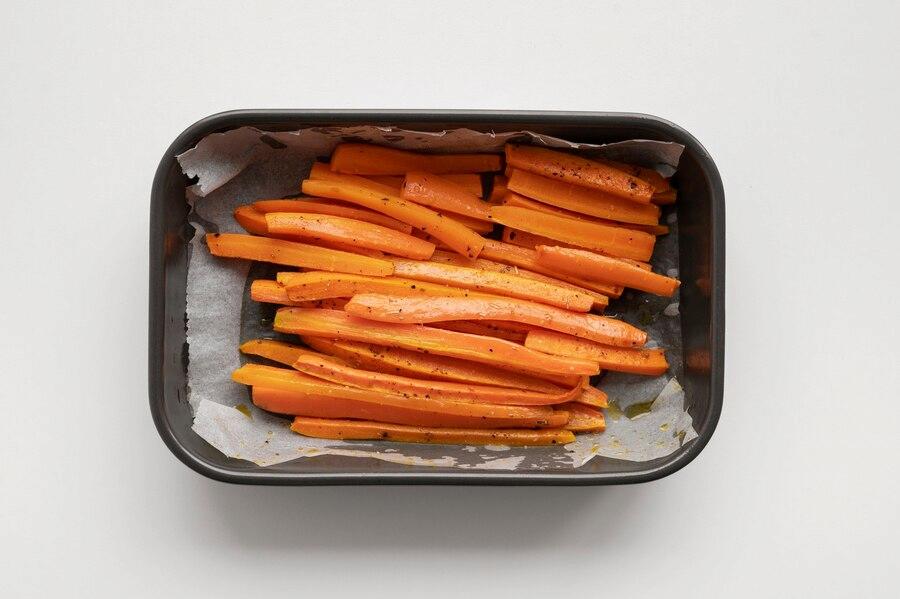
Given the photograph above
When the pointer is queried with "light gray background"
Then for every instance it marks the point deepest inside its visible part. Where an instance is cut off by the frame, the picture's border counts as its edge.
(796, 495)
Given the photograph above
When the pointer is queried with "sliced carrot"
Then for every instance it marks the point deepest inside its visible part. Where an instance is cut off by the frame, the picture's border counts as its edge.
(514, 199)
(367, 159)
(281, 352)
(591, 396)
(479, 226)
(492, 415)
(330, 370)
(569, 168)
(609, 270)
(649, 361)
(499, 189)
(477, 328)
(272, 292)
(310, 205)
(530, 240)
(423, 310)
(291, 253)
(470, 182)
(520, 257)
(305, 286)
(582, 200)
(664, 198)
(333, 324)
(622, 243)
(600, 300)
(457, 236)
(254, 222)
(392, 360)
(583, 418)
(322, 428)
(442, 194)
(651, 176)
(494, 282)
(337, 245)
(356, 233)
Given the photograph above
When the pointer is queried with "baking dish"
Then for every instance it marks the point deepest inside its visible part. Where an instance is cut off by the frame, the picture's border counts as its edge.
(701, 245)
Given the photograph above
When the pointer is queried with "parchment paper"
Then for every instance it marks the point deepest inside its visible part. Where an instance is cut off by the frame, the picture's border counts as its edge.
(646, 419)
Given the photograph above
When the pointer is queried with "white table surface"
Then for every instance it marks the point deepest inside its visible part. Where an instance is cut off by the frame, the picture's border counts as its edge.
(797, 493)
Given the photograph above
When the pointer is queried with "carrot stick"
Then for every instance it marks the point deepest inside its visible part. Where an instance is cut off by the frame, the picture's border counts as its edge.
(583, 418)
(591, 396)
(491, 415)
(329, 207)
(342, 230)
(527, 259)
(569, 168)
(623, 243)
(608, 270)
(479, 226)
(319, 406)
(305, 286)
(322, 428)
(366, 159)
(499, 189)
(582, 200)
(441, 194)
(494, 282)
(664, 198)
(272, 292)
(637, 361)
(392, 360)
(651, 176)
(514, 199)
(291, 253)
(421, 310)
(335, 372)
(333, 324)
(470, 182)
(477, 328)
(283, 353)
(600, 300)
(532, 241)
(253, 222)
(460, 238)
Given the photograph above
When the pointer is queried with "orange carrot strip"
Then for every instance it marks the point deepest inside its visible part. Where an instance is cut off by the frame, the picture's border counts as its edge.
(392, 360)
(499, 189)
(477, 328)
(582, 200)
(272, 292)
(583, 418)
(637, 361)
(457, 236)
(335, 372)
(493, 415)
(254, 222)
(591, 396)
(283, 353)
(421, 310)
(291, 253)
(323, 406)
(310, 205)
(304, 286)
(651, 176)
(514, 199)
(337, 245)
(608, 270)
(494, 282)
(525, 258)
(367, 159)
(441, 194)
(470, 182)
(569, 168)
(322, 428)
(600, 300)
(530, 240)
(479, 226)
(355, 233)
(497, 352)
(664, 198)
(623, 243)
